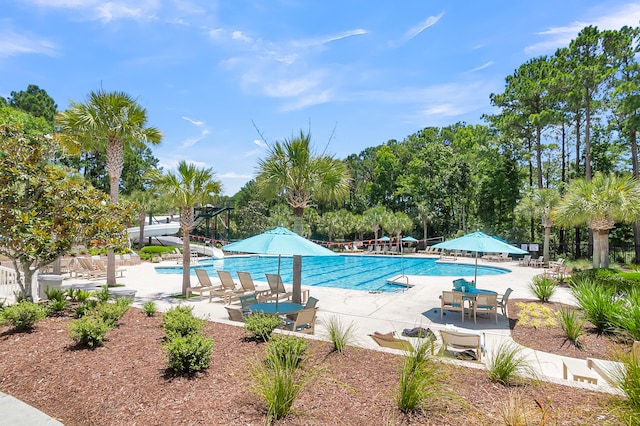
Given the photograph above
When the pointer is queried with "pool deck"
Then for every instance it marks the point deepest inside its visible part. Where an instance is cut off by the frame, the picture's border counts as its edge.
(419, 305)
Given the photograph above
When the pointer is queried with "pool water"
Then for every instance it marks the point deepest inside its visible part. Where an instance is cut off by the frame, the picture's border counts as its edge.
(369, 273)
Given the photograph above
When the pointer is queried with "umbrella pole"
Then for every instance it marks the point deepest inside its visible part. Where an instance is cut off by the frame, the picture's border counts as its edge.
(475, 272)
(278, 284)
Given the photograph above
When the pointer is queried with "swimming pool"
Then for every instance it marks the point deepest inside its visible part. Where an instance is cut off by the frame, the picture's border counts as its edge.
(368, 273)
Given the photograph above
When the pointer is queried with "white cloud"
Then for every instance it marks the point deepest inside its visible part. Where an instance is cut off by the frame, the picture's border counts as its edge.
(556, 37)
(12, 44)
(238, 35)
(194, 122)
(235, 175)
(107, 11)
(310, 99)
(189, 142)
(292, 88)
(416, 30)
(328, 39)
(481, 67)
(260, 143)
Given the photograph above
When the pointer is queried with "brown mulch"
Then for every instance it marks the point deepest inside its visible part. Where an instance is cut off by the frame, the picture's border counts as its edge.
(125, 383)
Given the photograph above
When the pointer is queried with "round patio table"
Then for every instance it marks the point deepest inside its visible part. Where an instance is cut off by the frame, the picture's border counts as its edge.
(270, 308)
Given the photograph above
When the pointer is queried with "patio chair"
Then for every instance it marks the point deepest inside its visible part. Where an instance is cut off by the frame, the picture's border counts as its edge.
(305, 322)
(311, 303)
(502, 301)
(206, 286)
(247, 300)
(235, 314)
(526, 259)
(538, 263)
(451, 301)
(486, 303)
(103, 268)
(277, 288)
(462, 342)
(246, 281)
(388, 340)
(504, 257)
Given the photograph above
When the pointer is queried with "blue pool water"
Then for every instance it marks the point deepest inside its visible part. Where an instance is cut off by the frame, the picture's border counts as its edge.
(368, 273)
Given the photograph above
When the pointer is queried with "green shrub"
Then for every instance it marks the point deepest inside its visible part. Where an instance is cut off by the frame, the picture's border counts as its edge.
(89, 331)
(340, 334)
(23, 316)
(149, 308)
(180, 322)
(572, 324)
(260, 326)
(598, 302)
(506, 363)
(82, 295)
(55, 306)
(542, 287)
(189, 353)
(103, 295)
(85, 308)
(286, 350)
(110, 313)
(419, 378)
(55, 293)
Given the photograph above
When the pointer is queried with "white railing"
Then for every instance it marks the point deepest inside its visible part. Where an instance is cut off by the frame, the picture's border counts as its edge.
(8, 282)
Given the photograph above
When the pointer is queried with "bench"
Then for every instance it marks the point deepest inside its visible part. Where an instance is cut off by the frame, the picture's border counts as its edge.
(579, 371)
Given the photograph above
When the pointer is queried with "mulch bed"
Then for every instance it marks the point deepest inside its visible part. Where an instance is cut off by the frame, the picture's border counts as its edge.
(125, 382)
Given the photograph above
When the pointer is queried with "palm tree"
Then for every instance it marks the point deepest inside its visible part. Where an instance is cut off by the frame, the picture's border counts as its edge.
(107, 122)
(375, 217)
(399, 222)
(539, 204)
(425, 215)
(292, 170)
(600, 203)
(187, 188)
(146, 200)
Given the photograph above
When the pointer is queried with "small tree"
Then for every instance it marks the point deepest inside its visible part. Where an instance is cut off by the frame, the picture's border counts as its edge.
(46, 208)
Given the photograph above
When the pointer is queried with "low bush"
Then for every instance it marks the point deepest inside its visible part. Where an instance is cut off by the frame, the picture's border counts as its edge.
(339, 333)
(110, 313)
(626, 319)
(542, 287)
(180, 322)
(55, 306)
(287, 351)
(149, 308)
(627, 378)
(189, 353)
(103, 295)
(260, 326)
(85, 308)
(22, 316)
(55, 294)
(89, 331)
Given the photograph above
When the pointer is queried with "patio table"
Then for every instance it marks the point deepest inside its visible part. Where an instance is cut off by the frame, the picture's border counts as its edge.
(270, 308)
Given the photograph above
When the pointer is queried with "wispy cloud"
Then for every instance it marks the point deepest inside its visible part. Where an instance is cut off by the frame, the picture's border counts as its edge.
(481, 67)
(416, 30)
(260, 147)
(328, 39)
(106, 11)
(189, 142)
(192, 121)
(556, 37)
(12, 44)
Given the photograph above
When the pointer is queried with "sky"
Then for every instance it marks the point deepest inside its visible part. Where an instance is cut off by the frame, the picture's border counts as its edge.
(225, 79)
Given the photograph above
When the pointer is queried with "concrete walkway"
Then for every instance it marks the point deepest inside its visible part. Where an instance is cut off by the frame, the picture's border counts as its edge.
(419, 305)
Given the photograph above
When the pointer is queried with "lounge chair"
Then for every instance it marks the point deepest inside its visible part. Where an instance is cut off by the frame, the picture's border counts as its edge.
(451, 301)
(462, 342)
(486, 303)
(103, 268)
(277, 288)
(206, 286)
(388, 340)
(525, 260)
(246, 281)
(229, 285)
(502, 301)
(538, 263)
(305, 322)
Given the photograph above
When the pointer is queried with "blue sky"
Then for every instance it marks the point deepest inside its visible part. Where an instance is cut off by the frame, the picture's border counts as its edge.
(221, 77)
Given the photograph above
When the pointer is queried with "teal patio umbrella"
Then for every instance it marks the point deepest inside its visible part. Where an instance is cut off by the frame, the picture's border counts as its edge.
(281, 241)
(479, 242)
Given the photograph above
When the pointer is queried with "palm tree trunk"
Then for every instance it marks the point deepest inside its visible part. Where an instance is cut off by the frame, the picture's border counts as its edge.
(297, 279)
(142, 219)
(186, 261)
(545, 247)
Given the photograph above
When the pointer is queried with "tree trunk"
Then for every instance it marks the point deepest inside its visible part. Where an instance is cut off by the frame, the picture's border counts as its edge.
(545, 247)
(600, 248)
(596, 250)
(635, 171)
(539, 158)
(142, 219)
(186, 261)
(111, 268)
(297, 224)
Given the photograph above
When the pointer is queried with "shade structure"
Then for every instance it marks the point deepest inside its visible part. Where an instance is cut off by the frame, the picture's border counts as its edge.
(385, 238)
(409, 239)
(479, 242)
(281, 241)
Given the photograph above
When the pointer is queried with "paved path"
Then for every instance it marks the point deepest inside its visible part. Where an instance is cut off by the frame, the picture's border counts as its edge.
(383, 312)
